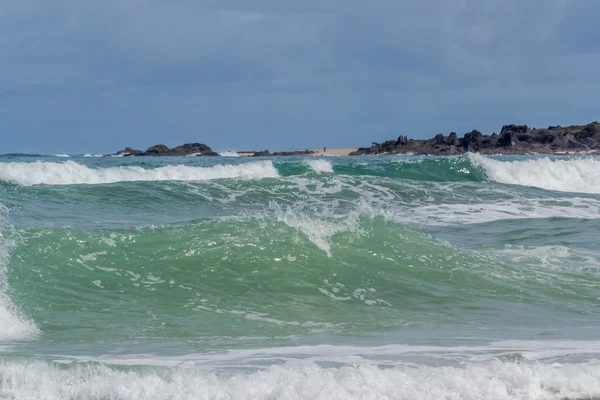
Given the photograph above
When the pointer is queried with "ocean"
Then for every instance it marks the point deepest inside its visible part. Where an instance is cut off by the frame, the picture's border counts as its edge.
(379, 277)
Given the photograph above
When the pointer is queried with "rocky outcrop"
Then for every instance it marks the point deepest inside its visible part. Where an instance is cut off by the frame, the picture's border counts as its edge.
(157, 150)
(197, 149)
(128, 152)
(267, 153)
(513, 139)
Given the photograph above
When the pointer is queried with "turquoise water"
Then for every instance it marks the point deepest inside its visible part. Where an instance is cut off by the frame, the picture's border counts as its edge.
(400, 277)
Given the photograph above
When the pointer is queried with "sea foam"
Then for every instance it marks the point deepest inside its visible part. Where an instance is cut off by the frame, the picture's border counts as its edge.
(228, 154)
(490, 380)
(320, 166)
(13, 325)
(73, 173)
(573, 175)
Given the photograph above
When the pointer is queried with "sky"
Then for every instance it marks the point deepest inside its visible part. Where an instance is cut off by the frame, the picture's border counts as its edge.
(79, 76)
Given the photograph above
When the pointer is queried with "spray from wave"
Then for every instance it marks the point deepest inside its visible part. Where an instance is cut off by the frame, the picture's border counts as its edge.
(72, 173)
(229, 154)
(573, 175)
(13, 325)
(320, 166)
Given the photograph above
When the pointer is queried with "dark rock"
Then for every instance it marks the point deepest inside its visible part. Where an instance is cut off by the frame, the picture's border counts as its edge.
(156, 150)
(513, 139)
(402, 141)
(514, 128)
(472, 140)
(508, 139)
(162, 150)
(198, 149)
(453, 139)
(129, 152)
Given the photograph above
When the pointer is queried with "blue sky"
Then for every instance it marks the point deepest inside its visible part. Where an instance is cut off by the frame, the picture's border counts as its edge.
(79, 76)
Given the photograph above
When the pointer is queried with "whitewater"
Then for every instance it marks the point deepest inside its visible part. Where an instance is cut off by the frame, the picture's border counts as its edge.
(372, 277)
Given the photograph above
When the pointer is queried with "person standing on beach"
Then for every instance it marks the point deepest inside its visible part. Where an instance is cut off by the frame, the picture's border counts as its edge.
(324, 149)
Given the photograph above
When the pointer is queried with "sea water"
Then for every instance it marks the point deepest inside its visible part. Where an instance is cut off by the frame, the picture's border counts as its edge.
(389, 277)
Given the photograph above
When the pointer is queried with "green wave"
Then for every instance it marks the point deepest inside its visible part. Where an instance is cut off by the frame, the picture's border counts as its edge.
(269, 277)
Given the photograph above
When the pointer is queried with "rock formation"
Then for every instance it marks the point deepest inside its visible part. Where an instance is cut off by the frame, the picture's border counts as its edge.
(513, 139)
(197, 149)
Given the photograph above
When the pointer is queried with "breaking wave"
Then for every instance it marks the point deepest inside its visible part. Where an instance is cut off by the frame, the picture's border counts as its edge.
(572, 175)
(72, 173)
(495, 379)
(229, 154)
(13, 325)
(320, 166)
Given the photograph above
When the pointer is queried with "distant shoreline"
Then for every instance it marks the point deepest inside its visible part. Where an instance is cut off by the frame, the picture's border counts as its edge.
(315, 153)
(513, 139)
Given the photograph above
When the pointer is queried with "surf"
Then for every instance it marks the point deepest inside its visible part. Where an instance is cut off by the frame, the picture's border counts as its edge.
(577, 175)
(494, 379)
(13, 324)
(73, 173)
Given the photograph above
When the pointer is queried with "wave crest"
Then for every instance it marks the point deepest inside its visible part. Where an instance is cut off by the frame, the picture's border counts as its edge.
(73, 173)
(320, 166)
(573, 175)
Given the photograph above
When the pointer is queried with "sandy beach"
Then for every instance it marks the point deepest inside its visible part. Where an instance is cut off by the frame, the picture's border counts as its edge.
(333, 152)
(321, 153)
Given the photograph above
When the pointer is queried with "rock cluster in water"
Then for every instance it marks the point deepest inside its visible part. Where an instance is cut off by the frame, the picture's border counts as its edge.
(196, 149)
(513, 139)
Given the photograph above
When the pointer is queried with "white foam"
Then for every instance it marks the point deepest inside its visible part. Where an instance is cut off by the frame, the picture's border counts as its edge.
(572, 175)
(451, 214)
(318, 230)
(490, 380)
(93, 155)
(389, 355)
(72, 173)
(320, 166)
(62, 155)
(229, 154)
(13, 325)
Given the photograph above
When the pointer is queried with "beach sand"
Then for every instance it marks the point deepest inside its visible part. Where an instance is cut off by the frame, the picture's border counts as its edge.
(333, 152)
(329, 152)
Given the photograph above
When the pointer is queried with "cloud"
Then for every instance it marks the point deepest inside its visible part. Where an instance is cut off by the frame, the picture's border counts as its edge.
(227, 41)
(297, 66)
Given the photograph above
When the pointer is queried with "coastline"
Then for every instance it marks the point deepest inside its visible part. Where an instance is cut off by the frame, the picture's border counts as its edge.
(334, 152)
(512, 140)
(341, 152)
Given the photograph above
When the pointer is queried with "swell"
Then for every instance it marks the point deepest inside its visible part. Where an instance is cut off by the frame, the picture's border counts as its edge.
(433, 169)
(571, 174)
(280, 276)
